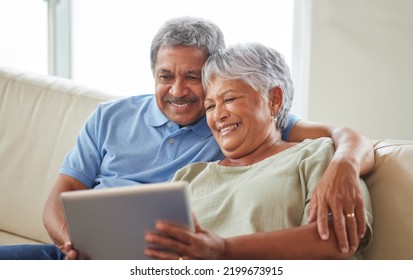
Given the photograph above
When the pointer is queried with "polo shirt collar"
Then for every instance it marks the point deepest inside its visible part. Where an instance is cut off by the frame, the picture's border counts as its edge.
(156, 118)
(155, 115)
(200, 127)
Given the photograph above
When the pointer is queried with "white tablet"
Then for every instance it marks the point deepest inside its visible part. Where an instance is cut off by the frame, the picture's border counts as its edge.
(110, 224)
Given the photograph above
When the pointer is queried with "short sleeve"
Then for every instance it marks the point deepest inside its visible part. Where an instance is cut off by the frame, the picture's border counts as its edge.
(285, 133)
(83, 161)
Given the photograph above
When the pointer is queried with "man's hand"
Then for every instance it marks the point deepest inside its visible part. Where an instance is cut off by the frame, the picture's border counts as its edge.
(53, 216)
(338, 193)
(60, 237)
(71, 254)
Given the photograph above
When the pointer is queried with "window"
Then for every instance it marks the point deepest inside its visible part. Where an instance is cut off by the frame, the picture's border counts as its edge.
(111, 39)
(23, 29)
(105, 43)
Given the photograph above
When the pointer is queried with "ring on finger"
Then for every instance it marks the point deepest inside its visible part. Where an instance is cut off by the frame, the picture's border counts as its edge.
(350, 215)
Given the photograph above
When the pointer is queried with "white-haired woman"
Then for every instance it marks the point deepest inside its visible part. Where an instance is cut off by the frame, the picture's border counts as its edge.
(254, 203)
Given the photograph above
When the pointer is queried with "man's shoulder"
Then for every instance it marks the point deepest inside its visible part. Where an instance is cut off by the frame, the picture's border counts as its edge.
(127, 101)
(123, 109)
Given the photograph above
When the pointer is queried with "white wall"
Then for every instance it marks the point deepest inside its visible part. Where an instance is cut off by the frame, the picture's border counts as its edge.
(361, 66)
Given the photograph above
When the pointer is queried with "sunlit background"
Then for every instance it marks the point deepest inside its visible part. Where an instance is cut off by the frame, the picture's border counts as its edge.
(111, 38)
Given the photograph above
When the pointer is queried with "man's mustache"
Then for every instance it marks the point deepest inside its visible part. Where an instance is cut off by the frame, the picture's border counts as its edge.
(181, 100)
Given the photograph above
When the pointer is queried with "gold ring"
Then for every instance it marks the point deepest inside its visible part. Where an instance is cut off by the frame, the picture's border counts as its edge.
(350, 215)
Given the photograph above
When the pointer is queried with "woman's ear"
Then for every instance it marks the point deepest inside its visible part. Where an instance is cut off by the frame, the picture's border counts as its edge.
(276, 99)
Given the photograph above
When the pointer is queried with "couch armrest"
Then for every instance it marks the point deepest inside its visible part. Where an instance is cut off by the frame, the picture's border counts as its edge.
(391, 188)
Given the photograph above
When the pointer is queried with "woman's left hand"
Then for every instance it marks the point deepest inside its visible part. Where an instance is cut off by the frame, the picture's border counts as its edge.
(178, 243)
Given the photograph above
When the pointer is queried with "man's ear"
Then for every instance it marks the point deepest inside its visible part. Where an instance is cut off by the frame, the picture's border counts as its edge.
(276, 99)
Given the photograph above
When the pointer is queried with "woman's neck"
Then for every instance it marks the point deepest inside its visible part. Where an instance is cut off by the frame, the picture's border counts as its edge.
(271, 146)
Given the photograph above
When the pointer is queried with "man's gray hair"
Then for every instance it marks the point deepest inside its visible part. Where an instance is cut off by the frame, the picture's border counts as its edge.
(260, 67)
(187, 31)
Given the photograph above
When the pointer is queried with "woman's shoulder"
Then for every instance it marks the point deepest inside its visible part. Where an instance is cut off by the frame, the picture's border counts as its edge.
(317, 149)
(322, 148)
(308, 146)
(192, 170)
(323, 143)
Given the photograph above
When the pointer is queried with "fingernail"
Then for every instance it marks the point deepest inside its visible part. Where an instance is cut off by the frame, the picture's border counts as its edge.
(344, 250)
(324, 236)
(353, 248)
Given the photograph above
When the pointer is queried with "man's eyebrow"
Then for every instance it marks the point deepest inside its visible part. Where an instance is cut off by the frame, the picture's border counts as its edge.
(196, 72)
(163, 70)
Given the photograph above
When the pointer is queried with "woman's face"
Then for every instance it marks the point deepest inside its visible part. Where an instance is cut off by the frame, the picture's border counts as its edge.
(239, 117)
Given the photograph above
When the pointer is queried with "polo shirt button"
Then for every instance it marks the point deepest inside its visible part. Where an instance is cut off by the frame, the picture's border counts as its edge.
(169, 125)
(171, 140)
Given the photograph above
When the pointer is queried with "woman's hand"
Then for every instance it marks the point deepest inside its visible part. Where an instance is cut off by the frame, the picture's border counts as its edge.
(177, 243)
(338, 193)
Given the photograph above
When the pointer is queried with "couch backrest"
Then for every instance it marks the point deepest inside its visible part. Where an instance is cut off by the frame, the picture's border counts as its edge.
(40, 117)
(391, 189)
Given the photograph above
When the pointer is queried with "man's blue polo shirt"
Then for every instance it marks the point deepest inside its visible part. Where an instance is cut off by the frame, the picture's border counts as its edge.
(130, 141)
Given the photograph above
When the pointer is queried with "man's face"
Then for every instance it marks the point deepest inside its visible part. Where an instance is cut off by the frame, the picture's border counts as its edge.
(178, 85)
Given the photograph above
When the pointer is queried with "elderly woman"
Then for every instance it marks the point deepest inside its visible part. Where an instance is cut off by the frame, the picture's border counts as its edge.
(254, 203)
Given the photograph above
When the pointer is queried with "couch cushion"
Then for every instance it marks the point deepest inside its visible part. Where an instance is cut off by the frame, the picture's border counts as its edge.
(391, 189)
(40, 117)
(9, 238)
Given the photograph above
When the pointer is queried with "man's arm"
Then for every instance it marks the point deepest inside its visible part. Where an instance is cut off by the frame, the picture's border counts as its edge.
(349, 143)
(53, 216)
(338, 191)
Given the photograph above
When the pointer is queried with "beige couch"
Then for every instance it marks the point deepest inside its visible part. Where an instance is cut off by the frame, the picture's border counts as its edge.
(40, 117)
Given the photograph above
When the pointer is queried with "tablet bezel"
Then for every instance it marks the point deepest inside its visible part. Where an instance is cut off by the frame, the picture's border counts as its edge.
(111, 223)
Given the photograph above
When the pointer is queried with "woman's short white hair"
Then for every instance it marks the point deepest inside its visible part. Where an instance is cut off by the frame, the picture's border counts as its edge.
(260, 67)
